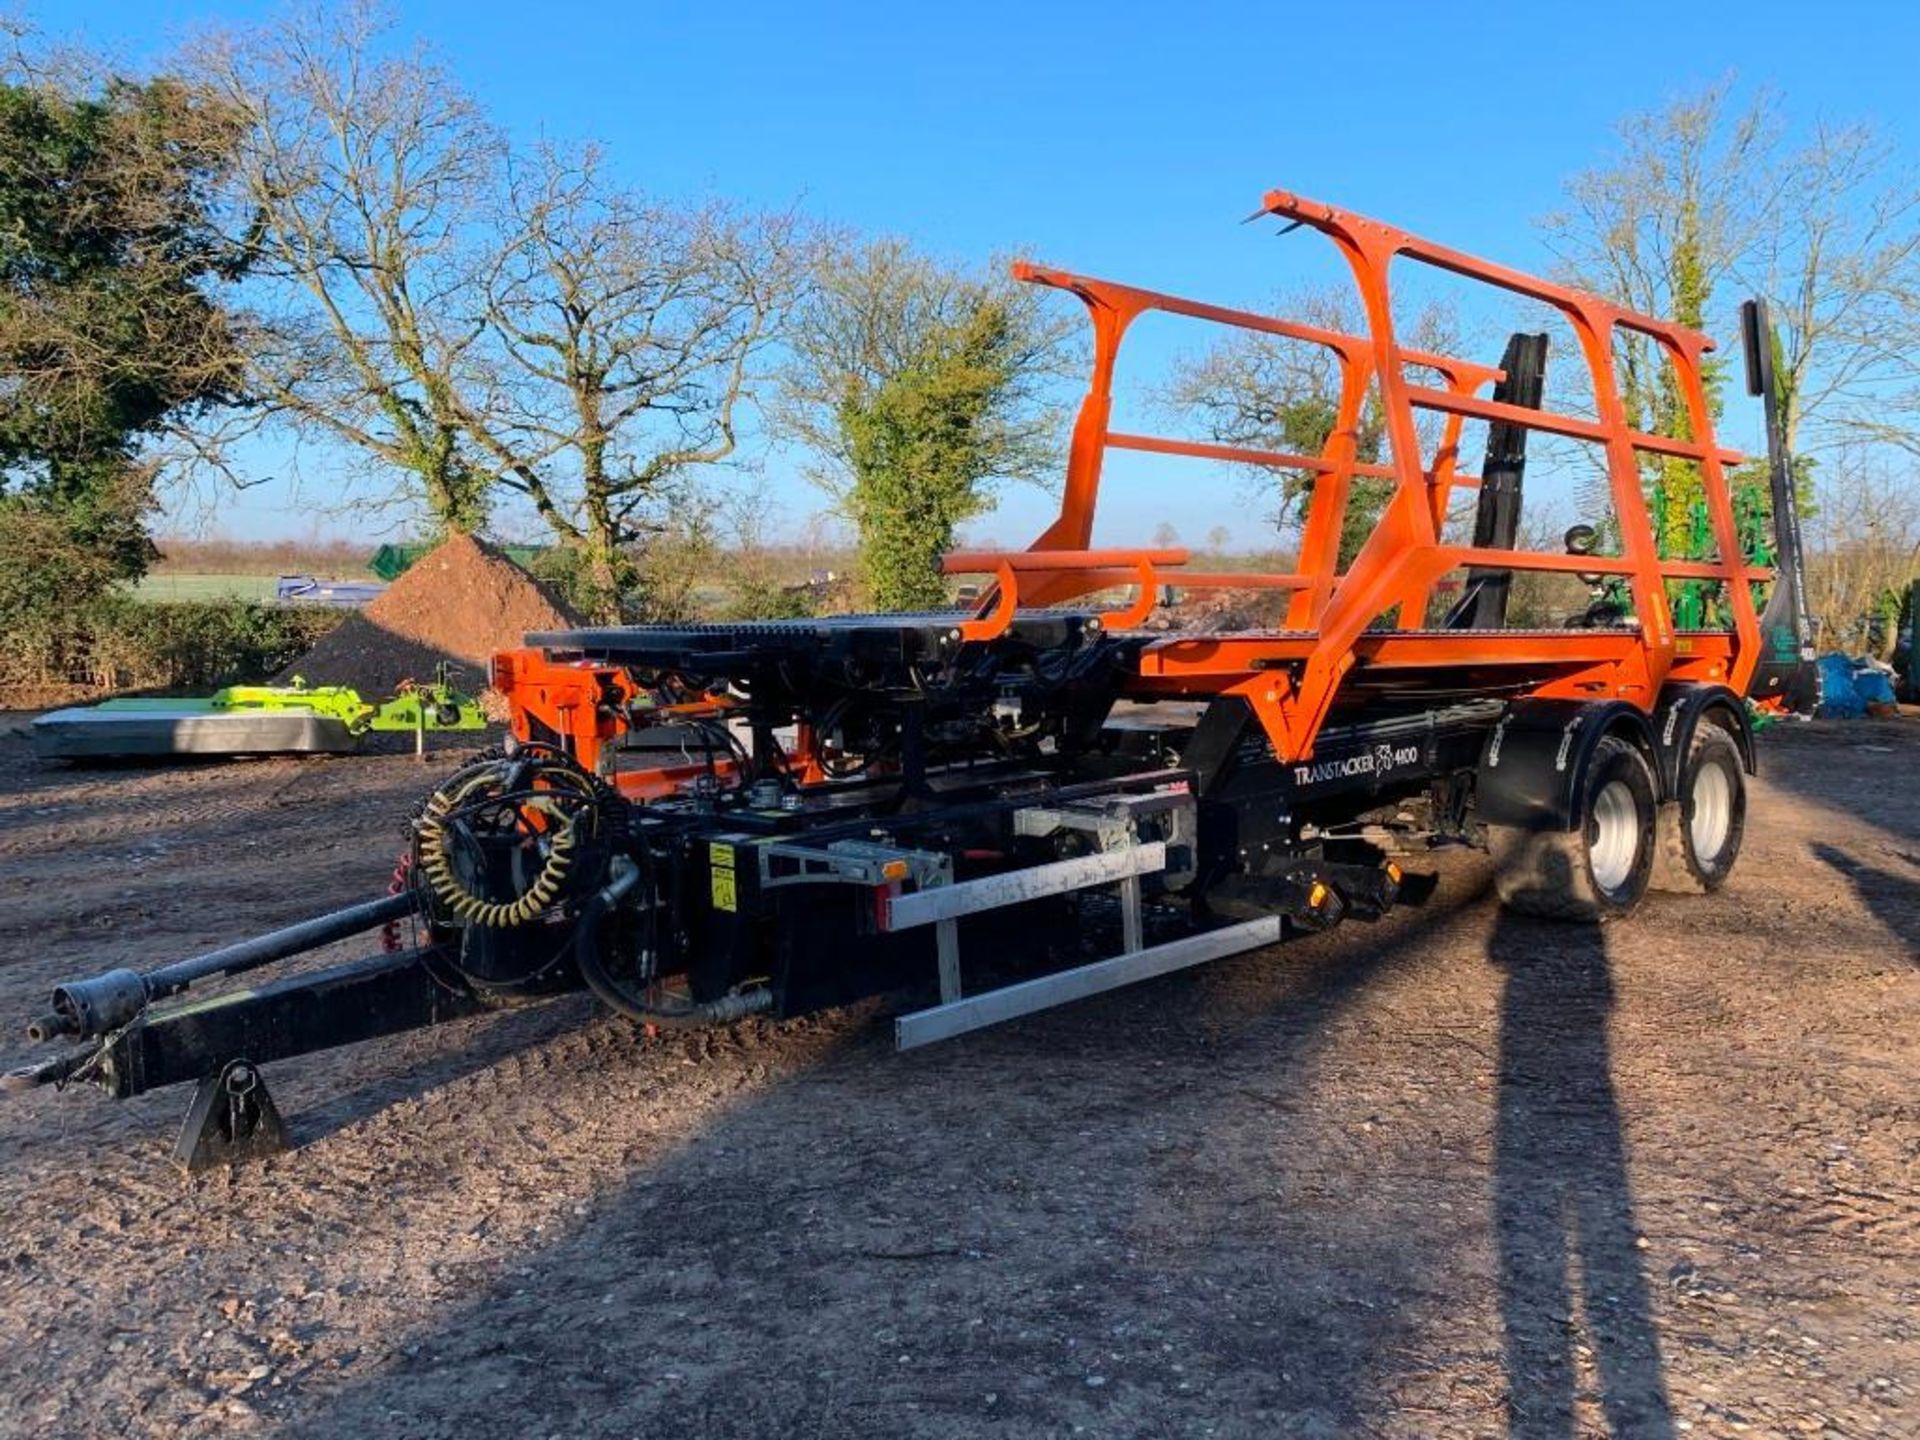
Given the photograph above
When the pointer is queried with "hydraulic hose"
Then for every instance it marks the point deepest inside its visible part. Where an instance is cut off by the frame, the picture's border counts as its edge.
(672, 1017)
(437, 868)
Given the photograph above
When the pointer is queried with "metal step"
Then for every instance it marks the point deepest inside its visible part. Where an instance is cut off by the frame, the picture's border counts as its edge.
(975, 1012)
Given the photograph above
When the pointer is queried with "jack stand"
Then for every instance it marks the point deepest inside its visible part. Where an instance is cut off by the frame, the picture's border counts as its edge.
(231, 1119)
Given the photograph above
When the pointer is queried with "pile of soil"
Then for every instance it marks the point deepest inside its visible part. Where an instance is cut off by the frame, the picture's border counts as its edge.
(458, 603)
(1218, 612)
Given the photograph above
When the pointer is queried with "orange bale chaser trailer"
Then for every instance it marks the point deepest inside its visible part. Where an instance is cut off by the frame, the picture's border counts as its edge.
(1016, 804)
(1625, 705)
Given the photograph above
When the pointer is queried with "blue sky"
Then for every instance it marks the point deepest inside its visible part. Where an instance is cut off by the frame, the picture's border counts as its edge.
(1119, 139)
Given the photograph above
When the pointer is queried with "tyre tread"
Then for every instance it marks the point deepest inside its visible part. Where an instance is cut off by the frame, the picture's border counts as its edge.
(1674, 870)
(1544, 873)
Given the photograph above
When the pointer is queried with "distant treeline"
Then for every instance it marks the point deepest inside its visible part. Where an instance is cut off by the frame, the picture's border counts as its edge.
(331, 559)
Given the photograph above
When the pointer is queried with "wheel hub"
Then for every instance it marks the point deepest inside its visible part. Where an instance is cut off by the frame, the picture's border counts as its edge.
(1613, 835)
(1711, 822)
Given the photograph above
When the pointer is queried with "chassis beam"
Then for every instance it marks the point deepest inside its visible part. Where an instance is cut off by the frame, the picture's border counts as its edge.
(341, 1005)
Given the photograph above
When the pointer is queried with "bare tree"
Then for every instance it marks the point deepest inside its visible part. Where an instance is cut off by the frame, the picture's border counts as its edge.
(1658, 229)
(1864, 532)
(625, 335)
(1838, 256)
(1660, 226)
(1707, 197)
(357, 173)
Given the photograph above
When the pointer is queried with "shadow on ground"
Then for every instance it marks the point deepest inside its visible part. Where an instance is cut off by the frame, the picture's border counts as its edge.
(1563, 1203)
(1851, 765)
(463, 1049)
(1045, 1228)
(1894, 899)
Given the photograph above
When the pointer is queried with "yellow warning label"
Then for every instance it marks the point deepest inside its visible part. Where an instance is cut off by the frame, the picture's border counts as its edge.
(726, 894)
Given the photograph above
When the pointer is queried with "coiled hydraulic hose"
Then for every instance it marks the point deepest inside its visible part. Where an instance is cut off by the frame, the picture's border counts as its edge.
(444, 881)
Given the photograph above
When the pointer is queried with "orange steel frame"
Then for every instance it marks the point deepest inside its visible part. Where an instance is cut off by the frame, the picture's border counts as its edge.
(1292, 677)
(587, 706)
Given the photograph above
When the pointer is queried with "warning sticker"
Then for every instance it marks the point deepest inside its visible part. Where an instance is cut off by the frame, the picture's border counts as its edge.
(726, 893)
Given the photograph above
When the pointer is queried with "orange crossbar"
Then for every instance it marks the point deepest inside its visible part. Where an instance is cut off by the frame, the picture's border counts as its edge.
(1567, 425)
(1087, 570)
(1232, 580)
(1271, 459)
(979, 562)
(1209, 664)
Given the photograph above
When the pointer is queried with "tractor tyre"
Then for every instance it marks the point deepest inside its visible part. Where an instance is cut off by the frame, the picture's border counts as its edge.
(1599, 871)
(1698, 833)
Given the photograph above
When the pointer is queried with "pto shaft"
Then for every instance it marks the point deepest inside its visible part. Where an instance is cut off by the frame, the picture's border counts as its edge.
(107, 1001)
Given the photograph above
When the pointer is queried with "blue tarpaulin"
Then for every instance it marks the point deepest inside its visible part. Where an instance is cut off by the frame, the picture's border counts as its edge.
(1848, 686)
(1873, 687)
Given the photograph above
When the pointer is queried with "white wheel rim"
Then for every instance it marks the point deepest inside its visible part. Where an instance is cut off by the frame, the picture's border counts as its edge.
(1613, 835)
(1711, 822)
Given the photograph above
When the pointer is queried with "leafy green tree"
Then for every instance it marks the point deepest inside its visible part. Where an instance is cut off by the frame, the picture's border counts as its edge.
(921, 388)
(110, 323)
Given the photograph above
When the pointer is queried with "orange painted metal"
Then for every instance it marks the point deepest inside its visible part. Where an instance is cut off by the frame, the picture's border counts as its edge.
(965, 562)
(662, 782)
(1006, 600)
(582, 707)
(1353, 632)
(573, 703)
(1292, 678)
(1086, 571)
(1237, 580)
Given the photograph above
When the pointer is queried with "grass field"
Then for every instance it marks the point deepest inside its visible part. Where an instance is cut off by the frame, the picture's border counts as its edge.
(169, 585)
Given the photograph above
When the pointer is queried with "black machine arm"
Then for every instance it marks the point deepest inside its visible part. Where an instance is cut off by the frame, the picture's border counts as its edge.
(109, 1001)
(1786, 628)
(1496, 521)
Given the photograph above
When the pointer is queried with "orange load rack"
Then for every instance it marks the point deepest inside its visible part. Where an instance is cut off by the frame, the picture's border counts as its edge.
(1359, 632)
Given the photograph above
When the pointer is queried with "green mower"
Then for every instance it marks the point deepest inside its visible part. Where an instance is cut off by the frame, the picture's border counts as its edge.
(295, 719)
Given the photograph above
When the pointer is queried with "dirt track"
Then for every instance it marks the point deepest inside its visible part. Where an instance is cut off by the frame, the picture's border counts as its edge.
(1455, 1175)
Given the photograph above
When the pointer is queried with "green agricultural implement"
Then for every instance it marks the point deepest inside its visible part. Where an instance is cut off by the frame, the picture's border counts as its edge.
(252, 720)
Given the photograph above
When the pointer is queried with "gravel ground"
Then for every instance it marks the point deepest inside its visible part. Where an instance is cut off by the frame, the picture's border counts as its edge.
(1452, 1175)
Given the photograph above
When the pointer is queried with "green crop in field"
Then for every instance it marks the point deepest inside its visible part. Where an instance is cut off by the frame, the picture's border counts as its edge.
(172, 587)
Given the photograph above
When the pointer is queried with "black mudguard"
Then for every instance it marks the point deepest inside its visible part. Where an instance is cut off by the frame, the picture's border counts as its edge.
(1533, 759)
(1677, 715)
